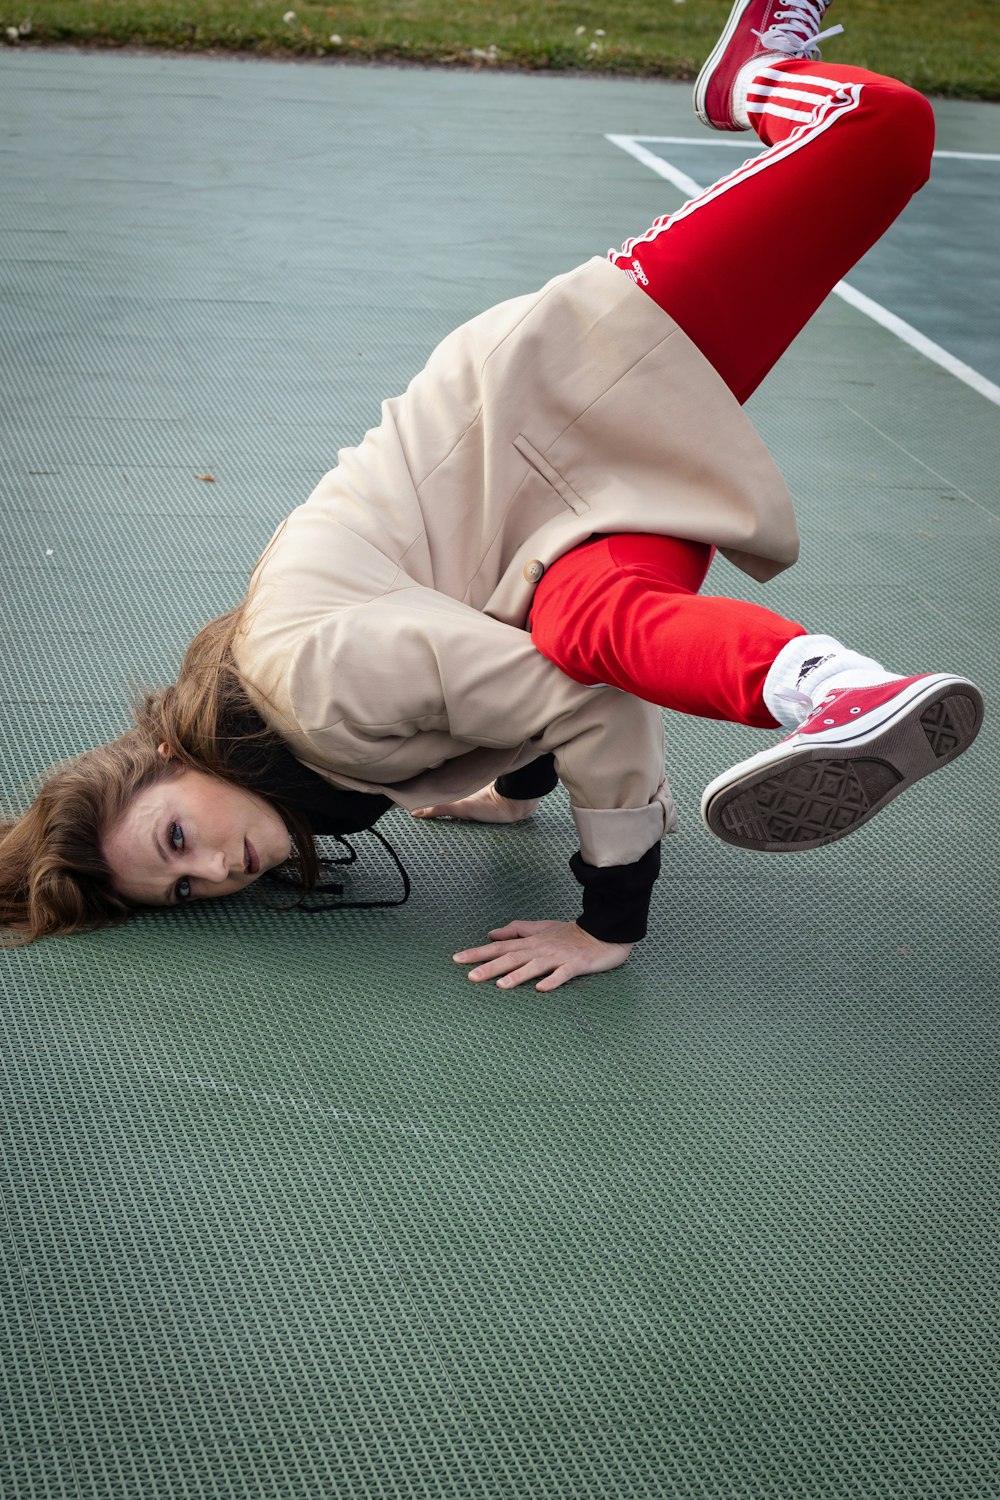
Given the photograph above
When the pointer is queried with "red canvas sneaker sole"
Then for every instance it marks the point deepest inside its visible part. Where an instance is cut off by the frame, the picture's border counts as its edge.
(810, 790)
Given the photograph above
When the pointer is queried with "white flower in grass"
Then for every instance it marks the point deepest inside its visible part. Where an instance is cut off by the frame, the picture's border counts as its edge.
(335, 40)
(581, 31)
(25, 27)
(288, 17)
(599, 32)
(12, 34)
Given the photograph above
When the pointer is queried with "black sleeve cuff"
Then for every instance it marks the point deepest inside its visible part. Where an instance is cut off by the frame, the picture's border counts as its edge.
(616, 897)
(533, 780)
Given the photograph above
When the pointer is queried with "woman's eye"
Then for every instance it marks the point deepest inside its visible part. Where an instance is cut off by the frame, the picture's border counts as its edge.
(184, 889)
(176, 836)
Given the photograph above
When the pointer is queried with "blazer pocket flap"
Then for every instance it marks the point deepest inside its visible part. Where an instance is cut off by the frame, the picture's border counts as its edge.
(550, 475)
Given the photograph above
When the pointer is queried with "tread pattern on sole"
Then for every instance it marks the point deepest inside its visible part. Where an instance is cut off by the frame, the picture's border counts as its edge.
(813, 801)
(810, 802)
(948, 724)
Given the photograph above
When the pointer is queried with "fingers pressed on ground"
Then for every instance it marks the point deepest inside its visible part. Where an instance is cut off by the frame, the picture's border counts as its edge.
(560, 976)
(551, 952)
(521, 975)
(504, 963)
(476, 955)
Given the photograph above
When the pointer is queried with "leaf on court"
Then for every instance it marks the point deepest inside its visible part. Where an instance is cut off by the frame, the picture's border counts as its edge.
(208, 478)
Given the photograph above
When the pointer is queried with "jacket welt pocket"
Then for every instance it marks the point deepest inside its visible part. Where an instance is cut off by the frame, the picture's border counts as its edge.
(550, 475)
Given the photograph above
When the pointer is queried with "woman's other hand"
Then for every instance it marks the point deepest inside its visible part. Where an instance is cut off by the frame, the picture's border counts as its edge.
(555, 950)
(486, 806)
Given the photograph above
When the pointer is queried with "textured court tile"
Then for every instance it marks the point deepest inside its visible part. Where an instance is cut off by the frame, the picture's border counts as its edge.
(293, 1208)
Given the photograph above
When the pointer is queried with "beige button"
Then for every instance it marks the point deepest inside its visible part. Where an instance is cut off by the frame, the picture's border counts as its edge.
(533, 570)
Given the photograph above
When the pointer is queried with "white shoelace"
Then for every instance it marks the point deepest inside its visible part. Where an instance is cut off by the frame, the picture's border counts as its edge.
(795, 31)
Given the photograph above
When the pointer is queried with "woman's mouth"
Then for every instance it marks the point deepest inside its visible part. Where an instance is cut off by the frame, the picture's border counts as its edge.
(251, 863)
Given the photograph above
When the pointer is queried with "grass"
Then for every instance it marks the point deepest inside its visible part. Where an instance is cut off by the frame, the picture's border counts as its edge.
(940, 46)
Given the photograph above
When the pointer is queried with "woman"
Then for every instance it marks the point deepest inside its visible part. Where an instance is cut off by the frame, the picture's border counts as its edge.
(498, 588)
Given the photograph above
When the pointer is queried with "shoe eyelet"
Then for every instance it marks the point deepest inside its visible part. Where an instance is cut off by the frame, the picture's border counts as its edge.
(829, 721)
(855, 710)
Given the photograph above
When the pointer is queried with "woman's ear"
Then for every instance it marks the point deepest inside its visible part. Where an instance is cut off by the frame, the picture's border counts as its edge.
(164, 750)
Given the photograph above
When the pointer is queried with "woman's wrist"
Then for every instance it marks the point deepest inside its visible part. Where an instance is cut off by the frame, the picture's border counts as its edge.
(616, 897)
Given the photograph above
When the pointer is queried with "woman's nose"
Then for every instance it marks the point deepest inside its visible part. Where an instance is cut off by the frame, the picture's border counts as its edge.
(213, 865)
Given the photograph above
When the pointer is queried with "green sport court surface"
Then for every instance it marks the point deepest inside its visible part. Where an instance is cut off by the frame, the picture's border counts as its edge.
(291, 1208)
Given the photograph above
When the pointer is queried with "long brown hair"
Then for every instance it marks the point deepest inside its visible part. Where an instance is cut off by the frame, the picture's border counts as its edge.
(54, 879)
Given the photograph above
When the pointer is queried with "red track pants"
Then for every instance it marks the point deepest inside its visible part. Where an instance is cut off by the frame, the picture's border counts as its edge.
(741, 268)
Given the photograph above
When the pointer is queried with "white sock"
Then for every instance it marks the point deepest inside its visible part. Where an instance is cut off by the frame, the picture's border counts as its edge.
(741, 88)
(741, 85)
(809, 667)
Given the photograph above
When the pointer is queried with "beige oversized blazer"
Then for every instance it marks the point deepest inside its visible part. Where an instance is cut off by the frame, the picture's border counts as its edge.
(386, 634)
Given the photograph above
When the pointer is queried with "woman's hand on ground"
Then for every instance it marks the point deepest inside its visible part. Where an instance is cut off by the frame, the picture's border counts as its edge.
(527, 950)
(486, 806)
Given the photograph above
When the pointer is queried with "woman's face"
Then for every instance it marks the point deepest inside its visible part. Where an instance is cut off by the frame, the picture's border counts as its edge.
(192, 836)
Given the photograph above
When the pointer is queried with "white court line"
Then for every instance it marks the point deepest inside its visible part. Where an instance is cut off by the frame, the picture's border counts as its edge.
(968, 155)
(856, 299)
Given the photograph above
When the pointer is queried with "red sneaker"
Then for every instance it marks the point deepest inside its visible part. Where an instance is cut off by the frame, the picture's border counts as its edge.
(860, 748)
(756, 28)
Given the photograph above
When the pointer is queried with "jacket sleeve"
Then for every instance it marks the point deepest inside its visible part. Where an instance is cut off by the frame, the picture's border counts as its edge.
(616, 897)
(415, 676)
